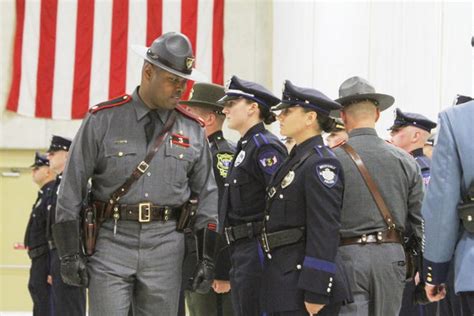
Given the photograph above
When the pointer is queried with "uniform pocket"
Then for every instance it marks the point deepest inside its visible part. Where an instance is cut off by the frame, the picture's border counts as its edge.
(178, 162)
(400, 270)
(121, 158)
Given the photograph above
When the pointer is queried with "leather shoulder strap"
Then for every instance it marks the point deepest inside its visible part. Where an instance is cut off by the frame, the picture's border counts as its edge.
(386, 214)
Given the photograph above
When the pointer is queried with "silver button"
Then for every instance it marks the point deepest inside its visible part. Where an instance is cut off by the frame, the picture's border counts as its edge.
(120, 154)
(235, 180)
(146, 194)
(330, 279)
(329, 290)
(267, 217)
(330, 284)
(281, 196)
(269, 256)
(148, 174)
(298, 266)
(181, 156)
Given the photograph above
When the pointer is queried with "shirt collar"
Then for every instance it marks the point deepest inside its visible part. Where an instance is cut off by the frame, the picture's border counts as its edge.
(215, 136)
(142, 110)
(257, 128)
(308, 144)
(417, 152)
(363, 131)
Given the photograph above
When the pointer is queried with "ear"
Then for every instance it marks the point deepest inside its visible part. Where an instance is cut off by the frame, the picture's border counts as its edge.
(311, 118)
(147, 71)
(343, 116)
(416, 137)
(377, 113)
(210, 119)
(253, 107)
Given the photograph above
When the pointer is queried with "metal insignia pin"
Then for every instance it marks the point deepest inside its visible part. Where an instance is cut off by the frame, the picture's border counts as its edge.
(271, 192)
(288, 179)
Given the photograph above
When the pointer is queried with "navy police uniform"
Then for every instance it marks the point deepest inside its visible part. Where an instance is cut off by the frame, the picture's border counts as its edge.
(301, 226)
(258, 156)
(37, 245)
(67, 299)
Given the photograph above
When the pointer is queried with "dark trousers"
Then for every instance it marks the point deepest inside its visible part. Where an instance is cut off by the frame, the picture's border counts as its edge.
(331, 310)
(411, 309)
(67, 300)
(38, 286)
(245, 277)
(467, 299)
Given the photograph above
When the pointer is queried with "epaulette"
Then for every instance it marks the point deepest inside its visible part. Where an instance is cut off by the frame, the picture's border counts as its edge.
(320, 149)
(260, 139)
(111, 103)
(190, 115)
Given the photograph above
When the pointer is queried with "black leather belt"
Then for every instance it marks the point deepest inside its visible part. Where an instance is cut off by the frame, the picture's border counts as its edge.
(38, 251)
(387, 236)
(247, 230)
(281, 238)
(143, 212)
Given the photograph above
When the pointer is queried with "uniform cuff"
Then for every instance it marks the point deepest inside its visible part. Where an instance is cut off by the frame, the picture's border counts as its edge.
(316, 298)
(435, 273)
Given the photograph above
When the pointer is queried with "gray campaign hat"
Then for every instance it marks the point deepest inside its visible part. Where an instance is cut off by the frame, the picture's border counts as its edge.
(358, 89)
(172, 52)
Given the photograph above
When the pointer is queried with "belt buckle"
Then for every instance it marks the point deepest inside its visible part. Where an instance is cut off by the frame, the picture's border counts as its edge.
(264, 240)
(144, 212)
(228, 235)
(142, 166)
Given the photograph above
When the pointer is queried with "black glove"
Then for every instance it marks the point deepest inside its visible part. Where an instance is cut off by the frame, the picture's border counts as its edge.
(73, 262)
(419, 296)
(207, 245)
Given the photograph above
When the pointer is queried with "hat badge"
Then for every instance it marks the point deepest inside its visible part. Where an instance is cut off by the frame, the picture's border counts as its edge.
(189, 62)
(191, 94)
(227, 84)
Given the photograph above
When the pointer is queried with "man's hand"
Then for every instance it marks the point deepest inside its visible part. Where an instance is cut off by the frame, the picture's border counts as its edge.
(74, 270)
(203, 277)
(313, 308)
(435, 292)
(221, 286)
(49, 279)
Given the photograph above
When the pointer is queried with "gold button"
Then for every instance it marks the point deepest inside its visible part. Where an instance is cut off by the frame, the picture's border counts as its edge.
(430, 268)
(125, 97)
(429, 279)
(120, 154)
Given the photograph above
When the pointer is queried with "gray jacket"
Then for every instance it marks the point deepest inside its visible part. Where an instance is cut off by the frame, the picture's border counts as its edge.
(112, 142)
(397, 176)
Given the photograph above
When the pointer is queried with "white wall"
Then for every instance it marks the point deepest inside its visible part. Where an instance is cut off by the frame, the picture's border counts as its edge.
(247, 49)
(417, 51)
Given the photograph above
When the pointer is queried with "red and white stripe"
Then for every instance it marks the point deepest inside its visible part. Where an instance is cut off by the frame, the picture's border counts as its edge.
(71, 54)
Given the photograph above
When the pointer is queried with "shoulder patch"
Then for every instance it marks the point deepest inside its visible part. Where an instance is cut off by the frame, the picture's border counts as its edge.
(189, 115)
(223, 163)
(328, 174)
(269, 160)
(111, 103)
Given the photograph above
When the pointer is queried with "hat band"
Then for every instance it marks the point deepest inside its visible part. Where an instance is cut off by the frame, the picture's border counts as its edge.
(238, 93)
(156, 57)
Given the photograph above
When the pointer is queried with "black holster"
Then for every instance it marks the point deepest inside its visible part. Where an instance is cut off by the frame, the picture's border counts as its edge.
(90, 228)
(207, 244)
(466, 214)
(413, 256)
(187, 216)
(66, 236)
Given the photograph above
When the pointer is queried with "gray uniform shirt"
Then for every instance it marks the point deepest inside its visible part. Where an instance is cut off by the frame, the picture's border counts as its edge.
(398, 179)
(112, 142)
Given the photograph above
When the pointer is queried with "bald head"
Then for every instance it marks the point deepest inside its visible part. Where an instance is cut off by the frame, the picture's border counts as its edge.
(359, 115)
(409, 137)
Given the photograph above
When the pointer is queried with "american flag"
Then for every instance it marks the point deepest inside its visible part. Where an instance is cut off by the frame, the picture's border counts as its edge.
(71, 54)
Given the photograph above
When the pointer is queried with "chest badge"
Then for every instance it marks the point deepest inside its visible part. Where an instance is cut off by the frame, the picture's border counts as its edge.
(288, 179)
(223, 163)
(38, 203)
(240, 158)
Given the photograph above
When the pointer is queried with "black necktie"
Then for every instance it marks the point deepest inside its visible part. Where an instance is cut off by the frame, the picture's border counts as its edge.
(151, 125)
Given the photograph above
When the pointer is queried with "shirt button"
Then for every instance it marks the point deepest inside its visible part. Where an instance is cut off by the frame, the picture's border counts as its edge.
(120, 154)
(235, 180)
(298, 266)
(281, 196)
(329, 290)
(148, 174)
(330, 279)
(146, 194)
(330, 284)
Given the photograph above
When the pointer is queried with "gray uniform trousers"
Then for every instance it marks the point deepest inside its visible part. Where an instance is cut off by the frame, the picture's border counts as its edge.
(142, 262)
(377, 278)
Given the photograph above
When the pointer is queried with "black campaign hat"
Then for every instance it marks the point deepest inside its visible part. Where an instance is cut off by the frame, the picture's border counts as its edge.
(40, 161)
(306, 97)
(413, 119)
(238, 88)
(205, 95)
(59, 143)
(172, 52)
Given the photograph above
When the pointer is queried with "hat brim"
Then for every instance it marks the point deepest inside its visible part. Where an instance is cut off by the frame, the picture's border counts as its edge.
(283, 105)
(384, 101)
(195, 75)
(204, 104)
(227, 98)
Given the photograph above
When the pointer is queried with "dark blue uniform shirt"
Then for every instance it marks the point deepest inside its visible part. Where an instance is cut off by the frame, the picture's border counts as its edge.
(258, 156)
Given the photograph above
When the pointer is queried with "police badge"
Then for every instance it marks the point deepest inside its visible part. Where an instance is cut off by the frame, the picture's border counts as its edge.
(189, 62)
(223, 163)
(288, 179)
(240, 158)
